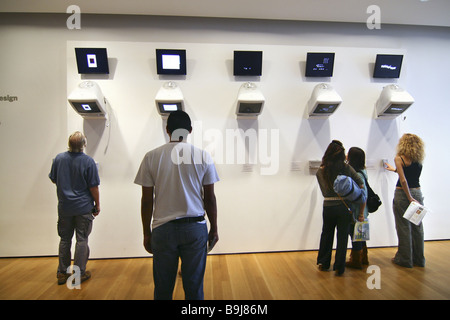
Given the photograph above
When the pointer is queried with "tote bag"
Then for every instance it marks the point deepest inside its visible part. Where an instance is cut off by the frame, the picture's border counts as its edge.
(361, 231)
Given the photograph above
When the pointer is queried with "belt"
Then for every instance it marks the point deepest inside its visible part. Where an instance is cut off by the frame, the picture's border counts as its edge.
(188, 219)
(400, 188)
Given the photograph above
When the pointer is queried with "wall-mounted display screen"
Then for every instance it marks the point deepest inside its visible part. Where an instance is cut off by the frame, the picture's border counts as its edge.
(168, 107)
(387, 66)
(396, 108)
(92, 60)
(319, 64)
(322, 108)
(171, 61)
(249, 107)
(86, 107)
(247, 63)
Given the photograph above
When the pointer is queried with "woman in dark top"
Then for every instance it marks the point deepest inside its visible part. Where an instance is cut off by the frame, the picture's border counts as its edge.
(335, 213)
(408, 165)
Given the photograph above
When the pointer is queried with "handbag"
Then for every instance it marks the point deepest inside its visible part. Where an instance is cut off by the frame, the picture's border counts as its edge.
(361, 231)
(373, 200)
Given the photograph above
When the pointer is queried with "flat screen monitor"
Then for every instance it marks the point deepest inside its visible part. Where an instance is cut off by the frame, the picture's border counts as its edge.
(250, 107)
(92, 60)
(325, 108)
(168, 107)
(247, 63)
(319, 64)
(396, 108)
(171, 61)
(387, 66)
(86, 107)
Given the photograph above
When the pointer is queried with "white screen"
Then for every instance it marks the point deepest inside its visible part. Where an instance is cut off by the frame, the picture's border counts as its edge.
(171, 61)
(91, 60)
(170, 107)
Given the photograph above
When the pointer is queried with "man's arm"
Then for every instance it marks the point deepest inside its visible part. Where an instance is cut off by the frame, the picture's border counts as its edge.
(146, 216)
(96, 195)
(209, 199)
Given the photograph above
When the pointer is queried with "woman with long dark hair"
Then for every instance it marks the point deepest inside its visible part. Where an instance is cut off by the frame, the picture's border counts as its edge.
(335, 212)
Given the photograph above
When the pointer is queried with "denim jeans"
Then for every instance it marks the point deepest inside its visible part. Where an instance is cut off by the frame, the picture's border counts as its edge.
(174, 240)
(410, 236)
(82, 226)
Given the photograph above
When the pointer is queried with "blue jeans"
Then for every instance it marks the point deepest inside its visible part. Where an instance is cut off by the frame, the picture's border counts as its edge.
(174, 240)
(82, 226)
(410, 237)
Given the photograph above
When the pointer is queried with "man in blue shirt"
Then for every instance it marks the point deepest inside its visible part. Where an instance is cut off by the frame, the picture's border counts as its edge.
(76, 177)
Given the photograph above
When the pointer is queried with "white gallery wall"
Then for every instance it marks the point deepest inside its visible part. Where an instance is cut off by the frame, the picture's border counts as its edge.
(268, 202)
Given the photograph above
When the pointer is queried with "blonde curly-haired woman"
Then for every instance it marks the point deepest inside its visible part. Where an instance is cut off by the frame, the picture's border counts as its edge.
(408, 165)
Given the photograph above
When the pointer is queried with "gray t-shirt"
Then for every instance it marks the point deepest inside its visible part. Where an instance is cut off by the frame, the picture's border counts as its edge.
(177, 171)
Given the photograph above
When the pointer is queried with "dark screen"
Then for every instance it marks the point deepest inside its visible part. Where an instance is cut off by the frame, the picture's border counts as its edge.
(92, 60)
(319, 64)
(246, 107)
(396, 108)
(247, 63)
(387, 66)
(325, 108)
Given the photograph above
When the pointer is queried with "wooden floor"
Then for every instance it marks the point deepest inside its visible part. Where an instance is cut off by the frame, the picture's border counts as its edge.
(261, 276)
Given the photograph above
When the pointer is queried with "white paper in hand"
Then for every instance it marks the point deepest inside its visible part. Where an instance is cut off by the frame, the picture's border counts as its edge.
(415, 212)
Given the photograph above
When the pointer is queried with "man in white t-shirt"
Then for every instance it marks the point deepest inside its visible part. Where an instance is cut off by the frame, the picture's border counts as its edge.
(178, 179)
